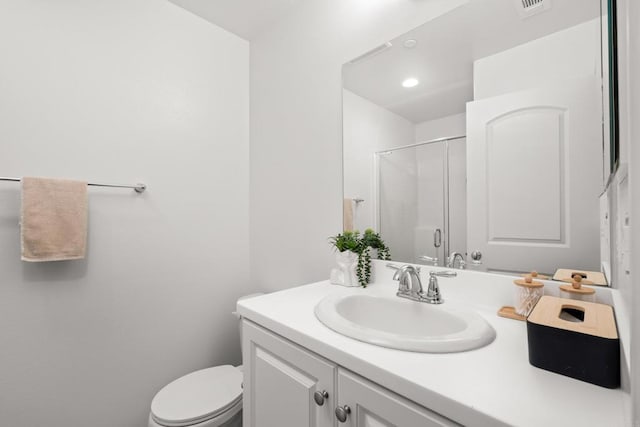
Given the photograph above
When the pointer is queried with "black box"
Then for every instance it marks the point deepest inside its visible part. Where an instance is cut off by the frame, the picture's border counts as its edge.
(575, 338)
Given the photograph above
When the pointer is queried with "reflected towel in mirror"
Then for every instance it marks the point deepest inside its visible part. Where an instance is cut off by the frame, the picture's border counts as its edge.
(347, 215)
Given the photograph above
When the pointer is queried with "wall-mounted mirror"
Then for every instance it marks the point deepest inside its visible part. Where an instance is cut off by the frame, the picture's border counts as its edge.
(482, 132)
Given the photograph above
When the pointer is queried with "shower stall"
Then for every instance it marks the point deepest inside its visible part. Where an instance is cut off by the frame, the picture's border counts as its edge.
(420, 203)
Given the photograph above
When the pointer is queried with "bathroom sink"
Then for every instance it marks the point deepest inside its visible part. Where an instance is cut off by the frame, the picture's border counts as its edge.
(405, 325)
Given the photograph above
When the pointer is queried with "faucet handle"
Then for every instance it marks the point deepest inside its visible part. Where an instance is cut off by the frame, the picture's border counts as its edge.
(430, 259)
(396, 275)
(443, 273)
(433, 291)
(399, 269)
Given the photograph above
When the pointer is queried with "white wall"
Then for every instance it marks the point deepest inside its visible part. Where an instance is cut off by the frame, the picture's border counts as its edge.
(561, 55)
(454, 125)
(121, 91)
(631, 58)
(629, 104)
(626, 106)
(296, 130)
(367, 128)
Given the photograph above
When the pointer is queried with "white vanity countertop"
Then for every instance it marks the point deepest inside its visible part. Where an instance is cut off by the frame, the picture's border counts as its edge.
(490, 386)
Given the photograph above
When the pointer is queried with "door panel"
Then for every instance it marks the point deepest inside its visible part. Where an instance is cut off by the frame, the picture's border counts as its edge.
(523, 166)
(280, 386)
(280, 380)
(534, 162)
(374, 406)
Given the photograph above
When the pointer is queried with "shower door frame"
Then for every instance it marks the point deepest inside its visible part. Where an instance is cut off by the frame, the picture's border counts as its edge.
(445, 189)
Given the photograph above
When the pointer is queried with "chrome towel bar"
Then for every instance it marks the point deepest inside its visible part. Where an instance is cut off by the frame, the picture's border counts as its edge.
(139, 188)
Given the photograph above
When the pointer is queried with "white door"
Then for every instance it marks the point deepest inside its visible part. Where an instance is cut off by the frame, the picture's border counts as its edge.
(362, 403)
(534, 174)
(280, 381)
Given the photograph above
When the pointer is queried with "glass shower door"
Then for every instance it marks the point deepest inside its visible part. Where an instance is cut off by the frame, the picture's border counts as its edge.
(421, 200)
(397, 204)
(430, 228)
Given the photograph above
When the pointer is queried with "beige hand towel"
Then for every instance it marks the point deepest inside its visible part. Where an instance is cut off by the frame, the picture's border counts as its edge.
(54, 219)
(347, 215)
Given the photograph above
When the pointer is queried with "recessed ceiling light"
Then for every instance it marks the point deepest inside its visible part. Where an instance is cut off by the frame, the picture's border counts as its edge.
(410, 43)
(410, 82)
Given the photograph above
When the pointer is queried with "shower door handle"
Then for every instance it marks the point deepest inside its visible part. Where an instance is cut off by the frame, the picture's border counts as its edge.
(437, 238)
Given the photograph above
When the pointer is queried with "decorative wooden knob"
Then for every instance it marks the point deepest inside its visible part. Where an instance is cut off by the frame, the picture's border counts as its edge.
(537, 276)
(577, 281)
(528, 282)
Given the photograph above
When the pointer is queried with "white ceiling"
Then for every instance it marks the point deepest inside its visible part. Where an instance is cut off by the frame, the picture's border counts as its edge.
(447, 47)
(246, 18)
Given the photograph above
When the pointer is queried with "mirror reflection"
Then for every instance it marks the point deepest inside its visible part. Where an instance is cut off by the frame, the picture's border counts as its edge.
(479, 136)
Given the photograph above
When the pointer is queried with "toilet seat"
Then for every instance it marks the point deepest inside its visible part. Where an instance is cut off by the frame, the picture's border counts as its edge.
(198, 397)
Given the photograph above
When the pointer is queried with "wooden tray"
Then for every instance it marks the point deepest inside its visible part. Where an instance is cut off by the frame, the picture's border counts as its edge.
(510, 313)
(593, 277)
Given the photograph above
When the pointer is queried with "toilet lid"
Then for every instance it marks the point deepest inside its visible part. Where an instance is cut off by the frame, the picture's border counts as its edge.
(198, 396)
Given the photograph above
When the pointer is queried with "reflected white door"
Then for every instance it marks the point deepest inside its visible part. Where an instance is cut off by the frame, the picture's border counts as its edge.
(534, 176)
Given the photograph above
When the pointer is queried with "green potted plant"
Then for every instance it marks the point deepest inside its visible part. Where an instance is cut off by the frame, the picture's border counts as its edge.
(354, 256)
(348, 247)
(370, 240)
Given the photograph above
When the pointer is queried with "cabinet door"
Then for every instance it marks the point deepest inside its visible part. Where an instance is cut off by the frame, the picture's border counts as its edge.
(373, 406)
(280, 380)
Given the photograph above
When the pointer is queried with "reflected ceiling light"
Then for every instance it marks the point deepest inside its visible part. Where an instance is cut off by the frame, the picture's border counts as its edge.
(410, 82)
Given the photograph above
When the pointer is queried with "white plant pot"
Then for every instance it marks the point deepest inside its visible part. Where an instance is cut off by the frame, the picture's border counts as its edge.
(345, 274)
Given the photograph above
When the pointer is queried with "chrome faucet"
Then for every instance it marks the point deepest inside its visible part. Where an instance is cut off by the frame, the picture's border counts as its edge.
(410, 286)
(409, 278)
(451, 261)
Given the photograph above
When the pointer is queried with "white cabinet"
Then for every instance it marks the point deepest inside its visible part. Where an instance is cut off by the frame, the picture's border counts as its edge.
(280, 380)
(283, 380)
(373, 406)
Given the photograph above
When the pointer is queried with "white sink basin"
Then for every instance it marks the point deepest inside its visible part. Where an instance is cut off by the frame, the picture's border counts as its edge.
(405, 325)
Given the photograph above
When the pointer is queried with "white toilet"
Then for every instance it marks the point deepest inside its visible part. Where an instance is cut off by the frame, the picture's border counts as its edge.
(210, 397)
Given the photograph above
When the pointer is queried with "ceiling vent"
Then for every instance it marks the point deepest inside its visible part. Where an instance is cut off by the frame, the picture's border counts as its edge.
(373, 52)
(527, 8)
